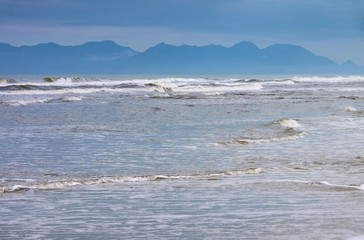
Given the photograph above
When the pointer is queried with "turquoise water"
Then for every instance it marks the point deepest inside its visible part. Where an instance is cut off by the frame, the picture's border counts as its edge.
(182, 158)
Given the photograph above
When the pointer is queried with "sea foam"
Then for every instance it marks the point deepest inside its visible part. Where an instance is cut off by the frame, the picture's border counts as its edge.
(123, 179)
(334, 79)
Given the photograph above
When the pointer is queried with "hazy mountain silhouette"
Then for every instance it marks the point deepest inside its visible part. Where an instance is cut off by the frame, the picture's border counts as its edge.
(91, 57)
(108, 57)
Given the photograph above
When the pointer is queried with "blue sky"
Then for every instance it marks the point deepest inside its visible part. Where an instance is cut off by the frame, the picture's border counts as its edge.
(333, 28)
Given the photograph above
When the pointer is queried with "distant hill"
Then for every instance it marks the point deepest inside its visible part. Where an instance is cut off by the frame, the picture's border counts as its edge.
(108, 57)
(91, 57)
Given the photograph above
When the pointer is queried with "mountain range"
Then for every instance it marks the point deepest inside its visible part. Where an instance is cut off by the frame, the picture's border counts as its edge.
(107, 57)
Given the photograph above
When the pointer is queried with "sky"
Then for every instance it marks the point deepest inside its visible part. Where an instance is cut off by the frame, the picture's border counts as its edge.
(331, 28)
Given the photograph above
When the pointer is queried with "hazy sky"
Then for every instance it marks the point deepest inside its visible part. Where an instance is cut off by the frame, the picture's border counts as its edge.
(333, 28)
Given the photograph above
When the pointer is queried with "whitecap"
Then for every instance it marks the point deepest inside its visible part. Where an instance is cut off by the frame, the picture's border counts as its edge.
(26, 102)
(329, 79)
(339, 187)
(168, 86)
(289, 123)
(71, 99)
(351, 109)
(62, 79)
(279, 82)
(356, 112)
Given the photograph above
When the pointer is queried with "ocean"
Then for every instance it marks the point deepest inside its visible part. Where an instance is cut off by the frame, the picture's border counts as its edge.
(108, 157)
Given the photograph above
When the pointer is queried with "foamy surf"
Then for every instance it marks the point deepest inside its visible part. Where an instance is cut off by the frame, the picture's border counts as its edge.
(20, 102)
(261, 141)
(146, 153)
(25, 102)
(170, 86)
(123, 179)
(333, 79)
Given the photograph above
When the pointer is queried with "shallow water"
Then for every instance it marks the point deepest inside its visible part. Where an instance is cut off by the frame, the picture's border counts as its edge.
(182, 158)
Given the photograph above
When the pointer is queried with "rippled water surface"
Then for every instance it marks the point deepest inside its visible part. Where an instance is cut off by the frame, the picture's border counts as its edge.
(182, 158)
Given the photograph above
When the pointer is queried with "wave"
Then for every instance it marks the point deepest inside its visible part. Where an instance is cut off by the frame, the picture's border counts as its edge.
(339, 187)
(323, 185)
(281, 130)
(354, 111)
(351, 109)
(288, 123)
(25, 102)
(264, 140)
(329, 79)
(61, 184)
(305, 79)
(64, 80)
(281, 184)
(70, 99)
(178, 88)
(60, 86)
(7, 81)
(169, 86)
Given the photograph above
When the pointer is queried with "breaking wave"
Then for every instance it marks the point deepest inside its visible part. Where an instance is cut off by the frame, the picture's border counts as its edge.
(333, 79)
(351, 109)
(7, 81)
(25, 102)
(288, 123)
(355, 112)
(175, 88)
(266, 140)
(61, 184)
(163, 86)
(281, 130)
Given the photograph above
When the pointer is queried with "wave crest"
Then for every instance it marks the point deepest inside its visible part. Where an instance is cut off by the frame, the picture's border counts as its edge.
(25, 102)
(281, 130)
(288, 123)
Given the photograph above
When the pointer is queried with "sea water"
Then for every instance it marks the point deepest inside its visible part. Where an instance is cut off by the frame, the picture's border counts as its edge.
(182, 158)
